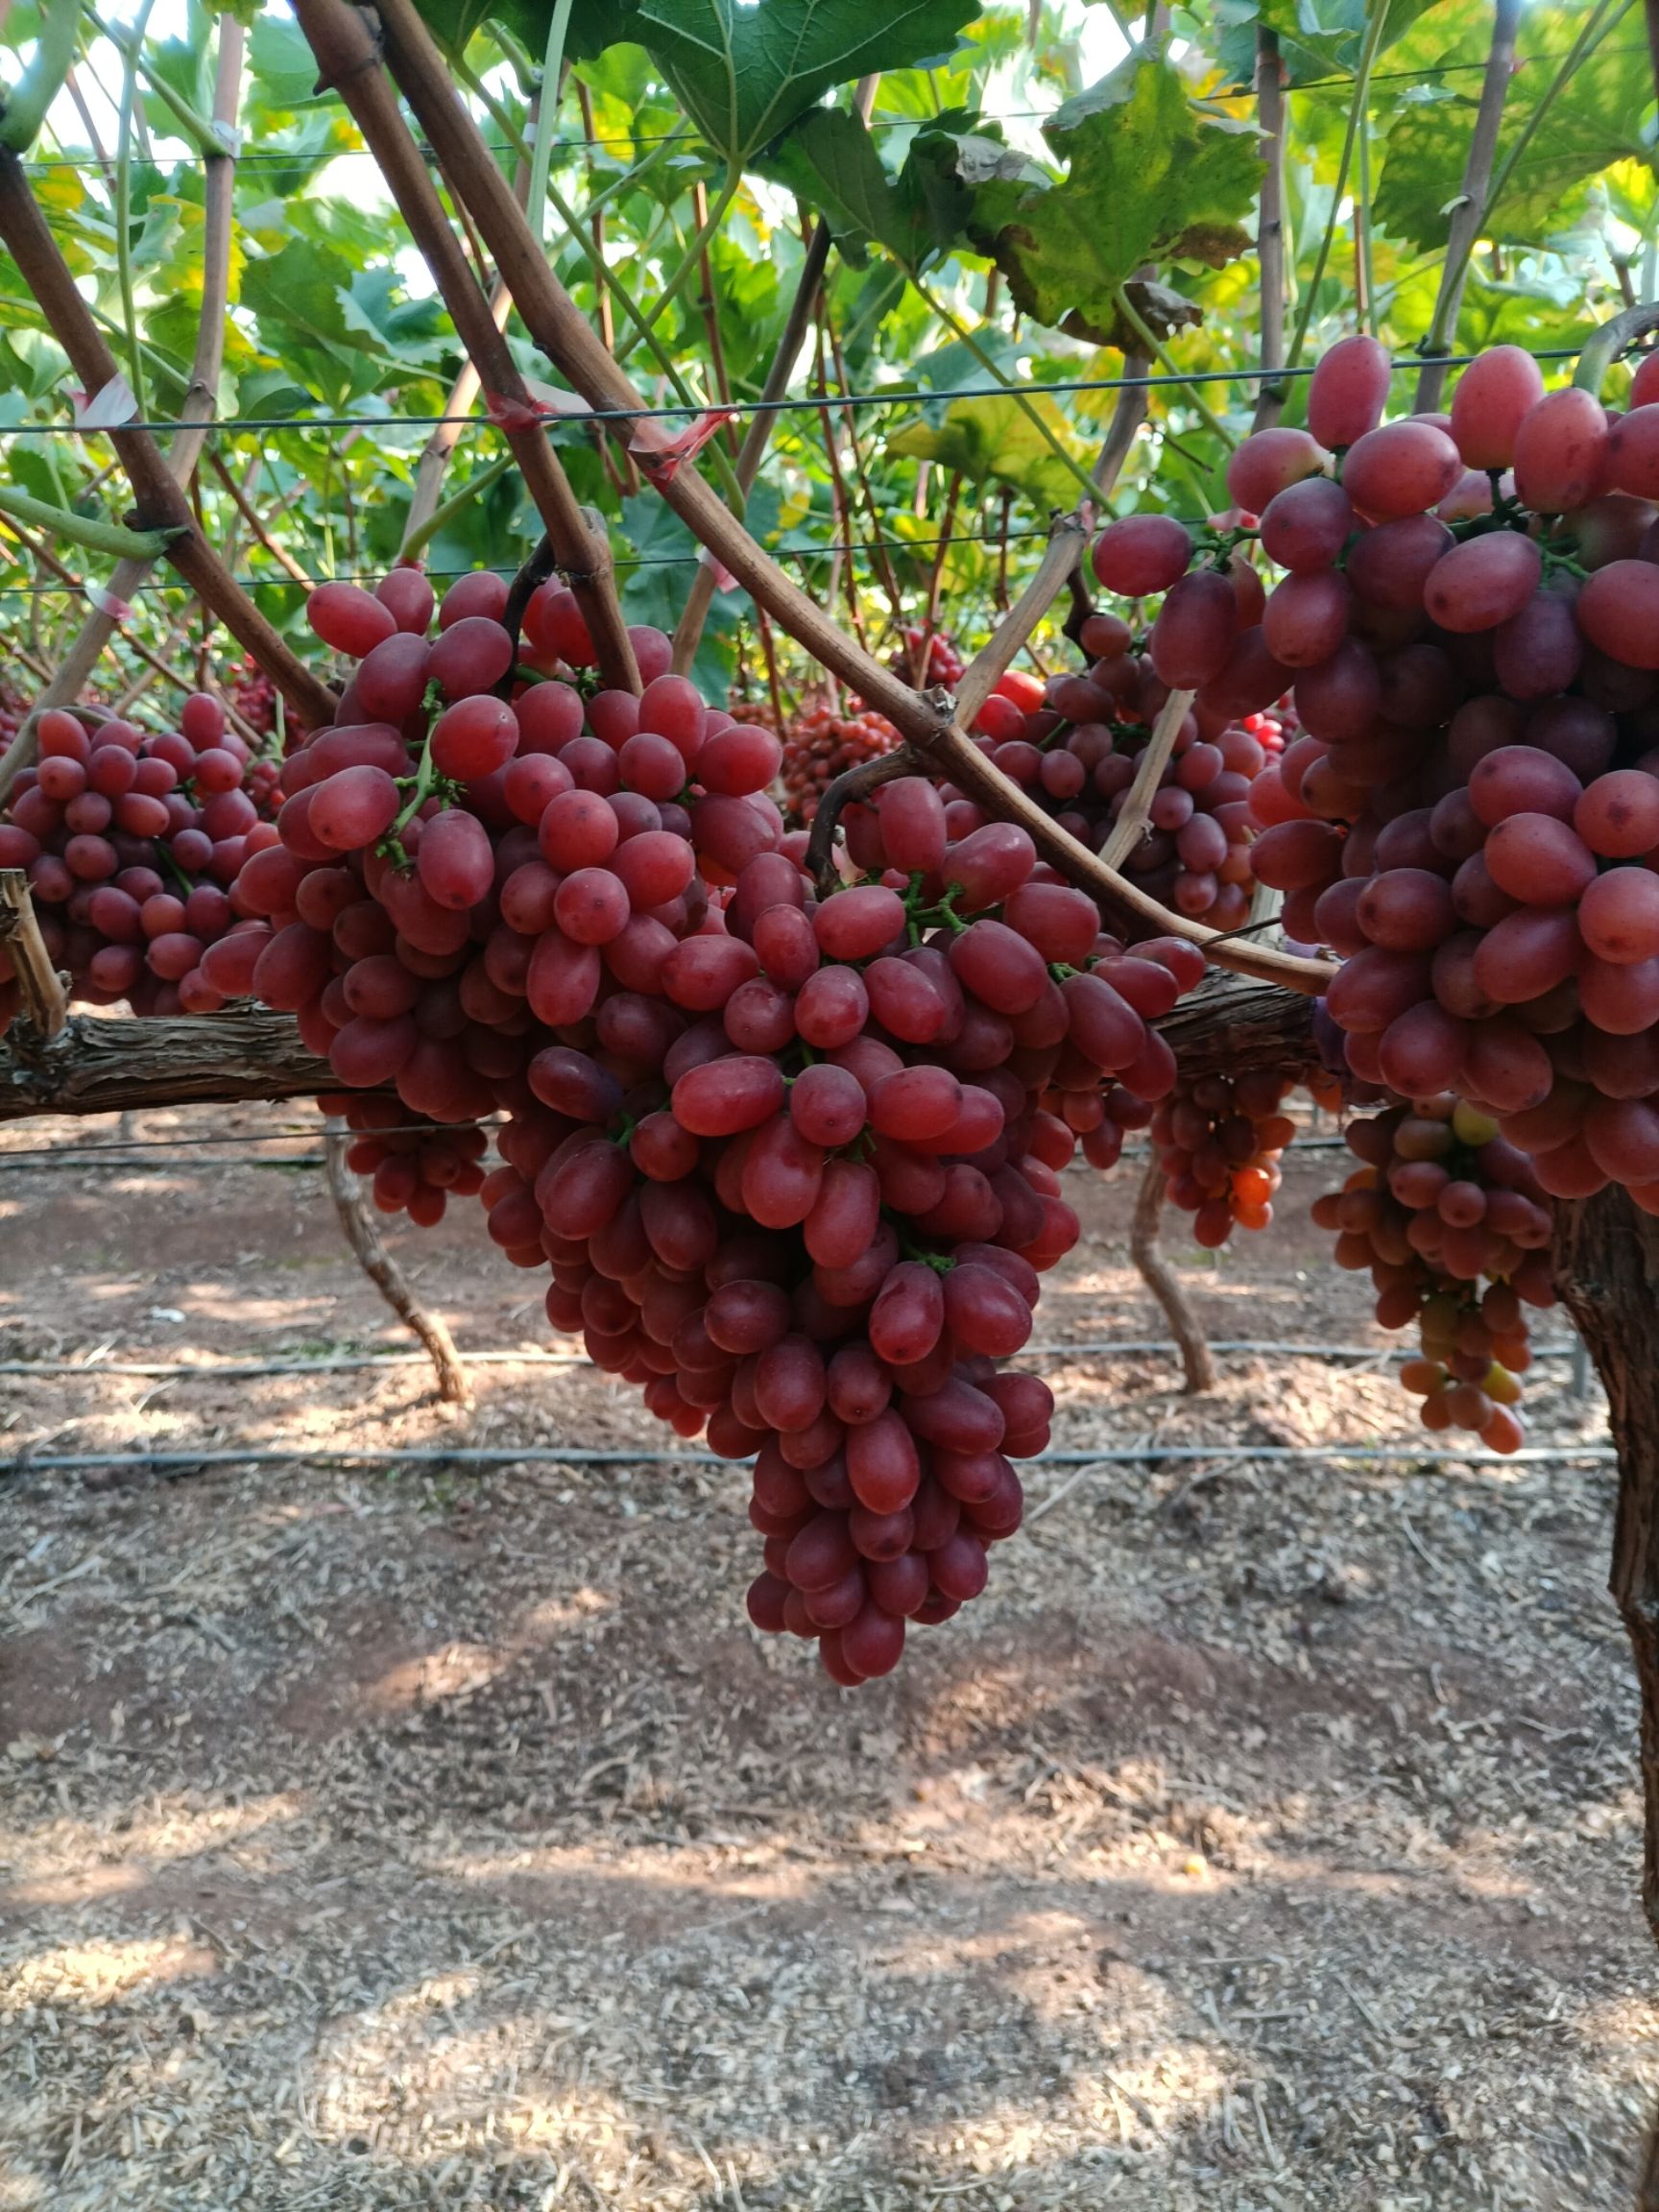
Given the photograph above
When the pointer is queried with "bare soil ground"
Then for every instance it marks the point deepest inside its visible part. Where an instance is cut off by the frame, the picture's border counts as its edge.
(1267, 1837)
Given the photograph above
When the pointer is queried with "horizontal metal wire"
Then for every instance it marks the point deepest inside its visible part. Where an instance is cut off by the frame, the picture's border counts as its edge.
(47, 1159)
(823, 551)
(109, 1154)
(908, 395)
(162, 1167)
(209, 1371)
(553, 1455)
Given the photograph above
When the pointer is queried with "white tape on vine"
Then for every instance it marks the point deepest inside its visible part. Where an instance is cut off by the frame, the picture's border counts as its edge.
(107, 409)
(118, 610)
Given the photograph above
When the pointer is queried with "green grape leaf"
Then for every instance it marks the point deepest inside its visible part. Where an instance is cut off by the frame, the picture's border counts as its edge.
(743, 73)
(594, 25)
(1316, 37)
(828, 159)
(281, 66)
(1595, 120)
(1153, 175)
(993, 440)
(298, 292)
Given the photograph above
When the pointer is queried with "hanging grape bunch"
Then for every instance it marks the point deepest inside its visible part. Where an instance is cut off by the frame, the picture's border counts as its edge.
(789, 1161)
(928, 656)
(1219, 1143)
(131, 840)
(415, 1162)
(1453, 1225)
(822, 741)
(1075, 744)
(1469, 618)
(254, 698)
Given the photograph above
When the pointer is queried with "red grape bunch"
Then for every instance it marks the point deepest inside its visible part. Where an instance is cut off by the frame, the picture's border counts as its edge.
(416, 1163)
(254, 696)
(1453, 1225)
(821, 743)
(1075, 744)
(14, 709)
(131, 840)
(928, 658)
(1219, 1141)
(1469, 616)
(786, 1158)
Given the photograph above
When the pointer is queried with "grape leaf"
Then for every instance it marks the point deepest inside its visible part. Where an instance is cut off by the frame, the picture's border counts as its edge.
(995, 440)
(744, 72)
(828, 158)
(1153, 175)
(1316, 37)
(282, 66)
(594, 25)
(1595, 120)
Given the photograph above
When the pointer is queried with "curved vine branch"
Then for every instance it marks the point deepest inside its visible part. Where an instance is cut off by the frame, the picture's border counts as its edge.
(563, 332)
(159, 499)
(855, 784)
(1470, 210)
(1606, 343)
(200, 395)
(339, 38)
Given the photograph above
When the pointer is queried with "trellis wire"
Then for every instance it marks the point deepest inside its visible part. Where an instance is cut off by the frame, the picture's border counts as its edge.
(643, 1455)
(239, 1370)
(123, 1145)
(910, 395)
(821, 552)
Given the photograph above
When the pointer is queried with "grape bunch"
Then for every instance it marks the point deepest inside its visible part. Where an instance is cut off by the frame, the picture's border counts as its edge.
(254, 696)
(131, 841)
(822, 743)
(1219, 1141)
(1453, 1224)
(1075, 745)
(788, 1159)
(13, 710)
(415, 1162)
(1469, 617)
(927, 658)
